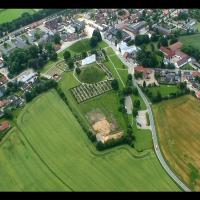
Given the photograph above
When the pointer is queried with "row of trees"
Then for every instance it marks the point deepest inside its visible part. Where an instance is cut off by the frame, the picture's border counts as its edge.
(155, 98)
(41, 85)
(26, 19)
(33, 57)
(192, 51)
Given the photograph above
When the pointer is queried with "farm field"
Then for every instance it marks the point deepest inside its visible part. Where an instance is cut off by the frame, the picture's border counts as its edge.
(193, 40)
(7, 15)
(165, 90)
(61, 147)
(178, 126)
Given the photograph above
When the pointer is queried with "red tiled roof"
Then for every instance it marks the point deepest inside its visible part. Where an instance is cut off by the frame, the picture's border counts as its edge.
(168, 53)
(181, 54)
(198, 95)
(182, 61)
(196, 74)
(175, 46)
(142, 69)
(4, 125)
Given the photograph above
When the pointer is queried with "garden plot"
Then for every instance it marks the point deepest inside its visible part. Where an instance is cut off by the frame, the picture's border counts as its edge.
(85, 92)
(106, 70)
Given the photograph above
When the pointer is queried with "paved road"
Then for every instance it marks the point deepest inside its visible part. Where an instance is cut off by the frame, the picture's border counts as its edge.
(129, 105)
(152, 124)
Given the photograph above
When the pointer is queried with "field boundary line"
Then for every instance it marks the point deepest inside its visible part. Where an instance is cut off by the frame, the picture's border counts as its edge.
(41, 159)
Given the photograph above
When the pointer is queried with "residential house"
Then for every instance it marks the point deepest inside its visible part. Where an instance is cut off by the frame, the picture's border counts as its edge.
(4, 126)
(174, 55)
(136, 28)
(78, 25)
(161, 29)
(123, 48)
(146, 71)
(53, 24)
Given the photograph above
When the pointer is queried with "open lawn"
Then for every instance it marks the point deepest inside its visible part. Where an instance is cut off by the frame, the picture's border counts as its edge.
(7, 15)
(165, 90)
(91, 74)
(193, 40)
(84, 46)
(187, 67)
(55, 154)
(178, 126)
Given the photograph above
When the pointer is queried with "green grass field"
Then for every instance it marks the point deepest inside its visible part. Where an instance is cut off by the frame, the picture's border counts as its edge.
(7, 15)
(165, 90)
(84, 46)
(177, 123)
(51, 152)
(187, 67)
(91, 74)
(193, 40)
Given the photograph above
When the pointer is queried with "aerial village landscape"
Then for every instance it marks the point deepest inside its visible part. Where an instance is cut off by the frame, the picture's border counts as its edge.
(100, 100)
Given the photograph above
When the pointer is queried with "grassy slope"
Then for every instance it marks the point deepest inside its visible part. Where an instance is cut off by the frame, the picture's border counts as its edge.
(84, 45)
(91, 74)
(178, 126)
(7, 15)
(165, 90)
(193, 40)
(62, 145)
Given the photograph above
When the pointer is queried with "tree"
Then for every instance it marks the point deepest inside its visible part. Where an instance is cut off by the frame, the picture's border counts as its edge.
(84, 54)
(97, 34)
(135, 112)
(8, 114)
(53, 56)
(33, 51)
(70, 64)
(152, 47)
(130, 77)
(119, 35)
(136, 103)
(173, 40)
(144, 84)
(93, 41)
(141, 39)
(138, 75)
(56, 38)
(115, 84)
(78, 70)
(67, 55)
(164, 41)
(135, 91)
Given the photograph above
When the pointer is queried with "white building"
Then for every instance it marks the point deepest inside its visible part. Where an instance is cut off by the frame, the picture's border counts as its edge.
(70, 29)
(123, 48)
(88, 60)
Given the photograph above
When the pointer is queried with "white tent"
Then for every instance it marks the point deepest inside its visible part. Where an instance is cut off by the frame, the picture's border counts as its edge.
(89, 59)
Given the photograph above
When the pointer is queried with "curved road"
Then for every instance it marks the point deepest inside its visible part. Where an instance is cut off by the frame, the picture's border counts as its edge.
(152, 124)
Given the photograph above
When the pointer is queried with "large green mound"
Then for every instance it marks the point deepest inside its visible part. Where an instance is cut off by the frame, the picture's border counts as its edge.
(53, 153)
(91, 74)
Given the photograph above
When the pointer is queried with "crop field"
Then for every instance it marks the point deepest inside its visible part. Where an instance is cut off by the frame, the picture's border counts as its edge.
(178, 126)
(55, 154)
(165, 90)
(7, 15)
(193, 40)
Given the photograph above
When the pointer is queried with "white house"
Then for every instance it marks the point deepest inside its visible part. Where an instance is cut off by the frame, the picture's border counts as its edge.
(123, 48)
(89, 59)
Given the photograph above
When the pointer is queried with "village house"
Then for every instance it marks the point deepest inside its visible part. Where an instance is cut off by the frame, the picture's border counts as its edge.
(161, 29)
(174, 55)
(137, 28)
(128, 50)
(4, 126)
(146, 71)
